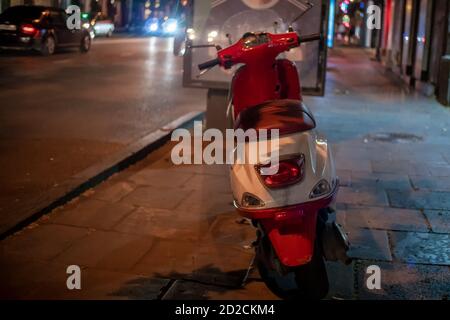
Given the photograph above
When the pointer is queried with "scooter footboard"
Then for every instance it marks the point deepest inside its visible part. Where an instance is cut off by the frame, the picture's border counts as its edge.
(292, 239)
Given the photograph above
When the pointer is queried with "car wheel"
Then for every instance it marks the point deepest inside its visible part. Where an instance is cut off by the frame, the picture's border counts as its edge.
(48, 46)
(109, 34)
(85, 43)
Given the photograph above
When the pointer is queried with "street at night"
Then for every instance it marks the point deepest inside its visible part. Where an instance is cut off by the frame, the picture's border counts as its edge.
(118, 182)
(68, 111)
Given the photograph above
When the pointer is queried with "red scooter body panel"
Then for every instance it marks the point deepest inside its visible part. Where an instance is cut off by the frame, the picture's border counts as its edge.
(263, 77)
(292, 229)
(289, 80)
(251, 88)
(293, 239)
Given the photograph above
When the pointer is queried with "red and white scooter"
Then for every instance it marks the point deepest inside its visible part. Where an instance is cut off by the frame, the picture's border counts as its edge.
(290, 208)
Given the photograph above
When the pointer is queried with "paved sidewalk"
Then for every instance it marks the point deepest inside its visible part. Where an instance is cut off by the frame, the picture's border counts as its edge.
(159, 231)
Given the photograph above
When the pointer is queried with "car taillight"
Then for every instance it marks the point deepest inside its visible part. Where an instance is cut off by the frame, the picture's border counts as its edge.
(28, 29)
(289, 171)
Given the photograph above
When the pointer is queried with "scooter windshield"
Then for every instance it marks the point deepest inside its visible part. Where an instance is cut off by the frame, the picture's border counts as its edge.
(225, 22)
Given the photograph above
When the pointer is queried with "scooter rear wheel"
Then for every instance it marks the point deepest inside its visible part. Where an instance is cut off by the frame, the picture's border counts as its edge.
(309, 281)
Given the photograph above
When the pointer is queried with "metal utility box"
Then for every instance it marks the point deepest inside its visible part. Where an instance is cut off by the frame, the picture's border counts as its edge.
(223, 22)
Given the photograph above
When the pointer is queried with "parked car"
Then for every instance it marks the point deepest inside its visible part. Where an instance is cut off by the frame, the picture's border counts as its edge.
(103, 26)
(40, 28)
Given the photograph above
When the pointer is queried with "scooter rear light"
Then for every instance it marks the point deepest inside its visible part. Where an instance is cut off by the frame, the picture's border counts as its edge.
(288, 172)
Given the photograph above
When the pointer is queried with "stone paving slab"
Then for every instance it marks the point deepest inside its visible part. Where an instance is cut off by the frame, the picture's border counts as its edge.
(205, 203)
(215, 169)
(430, 183)
(369, 244)
(350, 152)
(113, 192)
(341, 280)
(367, 196)
(187, 290)
(101, 284)
(345, 177)
(169, 258)
(155, 197)
(165, 224)
(383, 218)
(418, 247)
(363, 180)
(440, 171)
(96, 214)
(107, 250)
(212, 263)
(439, 220)
(346, 163)
(419, 199)
(406, 282)
(425, 153)
(43, 242)
(161, 178)
(210, 183)
(233, 230)
(447, 157)
(20, 277)
(399, 167)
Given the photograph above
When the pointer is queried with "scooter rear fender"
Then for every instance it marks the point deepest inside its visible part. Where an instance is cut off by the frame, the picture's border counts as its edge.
(292, 235)
(292, 229)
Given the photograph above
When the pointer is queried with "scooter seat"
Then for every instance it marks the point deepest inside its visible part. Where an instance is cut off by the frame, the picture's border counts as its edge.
(289, 116)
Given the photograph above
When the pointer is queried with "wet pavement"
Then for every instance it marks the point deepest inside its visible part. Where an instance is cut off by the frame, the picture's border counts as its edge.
(61, 114)
(159, 231)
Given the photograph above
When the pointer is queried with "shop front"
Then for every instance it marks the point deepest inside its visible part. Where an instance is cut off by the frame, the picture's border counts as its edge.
(415, 38)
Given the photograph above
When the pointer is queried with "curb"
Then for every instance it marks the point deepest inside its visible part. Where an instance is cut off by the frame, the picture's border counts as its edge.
(99, 172)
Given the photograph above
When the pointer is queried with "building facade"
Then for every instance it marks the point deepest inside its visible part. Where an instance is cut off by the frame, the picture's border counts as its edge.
(412, 38)
(415, 41)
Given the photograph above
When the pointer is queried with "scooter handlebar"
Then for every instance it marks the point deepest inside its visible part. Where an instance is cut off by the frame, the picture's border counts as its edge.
(209, 64)
(309, 37)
